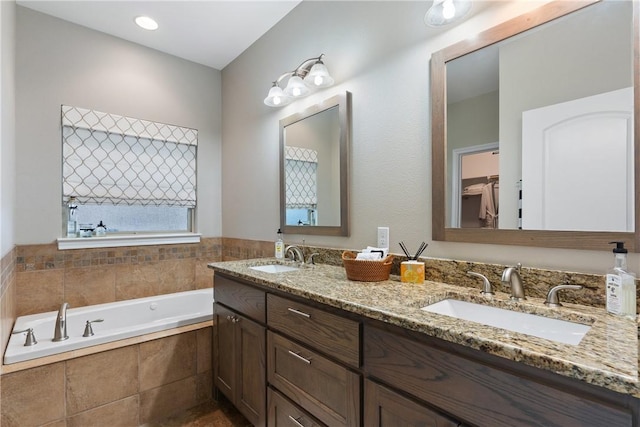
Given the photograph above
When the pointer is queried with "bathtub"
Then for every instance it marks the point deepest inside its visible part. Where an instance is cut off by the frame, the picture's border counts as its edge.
(124, 319)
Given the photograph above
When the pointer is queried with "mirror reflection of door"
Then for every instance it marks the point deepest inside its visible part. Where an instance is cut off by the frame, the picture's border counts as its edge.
(578, 173)
(478, 187)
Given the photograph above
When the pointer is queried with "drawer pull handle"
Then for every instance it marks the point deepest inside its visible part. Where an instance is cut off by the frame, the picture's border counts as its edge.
(296, 422)
(303, 314)
(296, 355)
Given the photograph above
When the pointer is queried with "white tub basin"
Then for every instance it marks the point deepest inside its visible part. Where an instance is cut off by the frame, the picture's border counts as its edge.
(274, 268)
(539, 326)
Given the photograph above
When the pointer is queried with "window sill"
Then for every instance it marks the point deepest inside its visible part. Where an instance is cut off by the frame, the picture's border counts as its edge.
(119, 240)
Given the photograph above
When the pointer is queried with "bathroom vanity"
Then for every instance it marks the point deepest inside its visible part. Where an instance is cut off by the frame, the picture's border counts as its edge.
(308, 347)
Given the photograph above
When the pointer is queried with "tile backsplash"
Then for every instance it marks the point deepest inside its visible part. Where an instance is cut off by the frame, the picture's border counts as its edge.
(537, 282)
(46, 276)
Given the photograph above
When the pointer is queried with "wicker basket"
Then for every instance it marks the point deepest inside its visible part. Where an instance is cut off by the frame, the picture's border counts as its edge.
(366, 270)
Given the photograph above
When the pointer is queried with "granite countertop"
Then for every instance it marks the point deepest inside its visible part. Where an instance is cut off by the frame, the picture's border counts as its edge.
(607, 356)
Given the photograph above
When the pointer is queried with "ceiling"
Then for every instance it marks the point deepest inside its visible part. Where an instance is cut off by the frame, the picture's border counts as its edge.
(209, 32)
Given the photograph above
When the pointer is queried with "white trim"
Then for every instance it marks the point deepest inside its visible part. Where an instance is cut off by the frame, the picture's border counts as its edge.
(456, 169)
(113, 241)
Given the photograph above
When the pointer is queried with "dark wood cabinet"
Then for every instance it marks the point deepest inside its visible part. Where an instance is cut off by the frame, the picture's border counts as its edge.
(470, 389)
(284, 413)
(326, 332)
(320, 366)
(239, 355)
(325, 389)
(386, 408)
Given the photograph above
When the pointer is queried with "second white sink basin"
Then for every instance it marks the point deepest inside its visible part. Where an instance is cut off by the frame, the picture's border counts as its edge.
(273, 268)
(539, 326)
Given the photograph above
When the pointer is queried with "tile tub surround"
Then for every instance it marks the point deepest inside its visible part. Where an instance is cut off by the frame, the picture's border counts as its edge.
(46, 276)
(126, 386)
(606, 357)
(7, 297)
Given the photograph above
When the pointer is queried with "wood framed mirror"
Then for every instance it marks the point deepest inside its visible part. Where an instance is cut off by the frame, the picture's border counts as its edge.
(314, 169)
(507, 228)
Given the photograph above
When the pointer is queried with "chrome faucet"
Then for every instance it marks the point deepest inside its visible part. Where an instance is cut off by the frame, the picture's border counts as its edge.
(511, 277)
(298, 255)
(60, 332)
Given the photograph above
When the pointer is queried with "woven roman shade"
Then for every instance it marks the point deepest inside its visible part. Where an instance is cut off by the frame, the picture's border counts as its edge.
(301, 165)
(126, 161)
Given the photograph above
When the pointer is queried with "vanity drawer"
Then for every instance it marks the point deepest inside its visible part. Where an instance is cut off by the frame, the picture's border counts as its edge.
(478, 393)
(242, 298)
(328, 391)
(329, 333)
(283, 413)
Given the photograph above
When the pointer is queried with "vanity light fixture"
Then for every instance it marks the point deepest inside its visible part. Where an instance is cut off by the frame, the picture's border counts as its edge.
(146, 23)
(444, 12)
(309, 75)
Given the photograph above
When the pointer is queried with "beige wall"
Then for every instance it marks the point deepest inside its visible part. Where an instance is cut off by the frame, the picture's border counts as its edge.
(62, 63)
(380, 52)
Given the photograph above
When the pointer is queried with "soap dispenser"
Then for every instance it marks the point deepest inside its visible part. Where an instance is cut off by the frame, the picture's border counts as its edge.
(72, 217)
(279, 246)
(621, 285)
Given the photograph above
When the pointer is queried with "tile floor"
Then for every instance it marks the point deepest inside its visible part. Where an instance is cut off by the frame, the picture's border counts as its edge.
(212, 414)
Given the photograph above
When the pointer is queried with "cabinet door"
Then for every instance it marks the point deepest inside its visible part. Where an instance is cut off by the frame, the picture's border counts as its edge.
(239, 363)
(224, 366)
(251, 393)
(385, 408)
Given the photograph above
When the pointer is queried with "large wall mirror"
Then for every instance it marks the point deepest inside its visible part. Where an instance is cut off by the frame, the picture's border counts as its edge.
(314, 169)
(535, 130)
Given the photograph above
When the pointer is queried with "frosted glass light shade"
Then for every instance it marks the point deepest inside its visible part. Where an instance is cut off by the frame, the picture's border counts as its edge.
(444, 12)
(318, 76)
(296, 87)
(276, 97)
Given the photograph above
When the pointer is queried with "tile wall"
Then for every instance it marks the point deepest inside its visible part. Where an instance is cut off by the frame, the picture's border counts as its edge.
(46, 277)
(7, 301)
(127, 386)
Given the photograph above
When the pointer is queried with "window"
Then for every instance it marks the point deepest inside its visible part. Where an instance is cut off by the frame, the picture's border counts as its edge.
(301, 171)
(133, 175)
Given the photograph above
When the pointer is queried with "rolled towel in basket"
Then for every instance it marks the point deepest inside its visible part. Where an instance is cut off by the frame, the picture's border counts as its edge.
(369, 256)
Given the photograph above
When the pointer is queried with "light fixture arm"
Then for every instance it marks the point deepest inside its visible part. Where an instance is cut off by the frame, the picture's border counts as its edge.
(301, 70)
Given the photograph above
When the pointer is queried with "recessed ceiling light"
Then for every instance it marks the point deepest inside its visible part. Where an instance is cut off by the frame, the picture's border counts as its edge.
(146, 23)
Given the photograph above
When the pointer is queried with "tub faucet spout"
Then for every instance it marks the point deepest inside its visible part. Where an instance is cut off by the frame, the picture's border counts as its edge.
(60, 332)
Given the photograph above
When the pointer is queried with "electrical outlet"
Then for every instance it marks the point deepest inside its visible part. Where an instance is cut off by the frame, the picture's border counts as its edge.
(383, 237)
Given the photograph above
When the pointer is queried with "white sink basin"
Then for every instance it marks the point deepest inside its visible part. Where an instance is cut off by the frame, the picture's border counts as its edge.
(539, 326)
(273, 268)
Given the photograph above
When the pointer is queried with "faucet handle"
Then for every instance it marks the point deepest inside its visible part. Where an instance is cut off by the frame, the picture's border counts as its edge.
(311, 260)
(552, 296)
(486, 285)
(31, 337)
(88, 330)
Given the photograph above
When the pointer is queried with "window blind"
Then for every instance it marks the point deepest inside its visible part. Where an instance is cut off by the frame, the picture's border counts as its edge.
(301, 165)
(126, 161)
